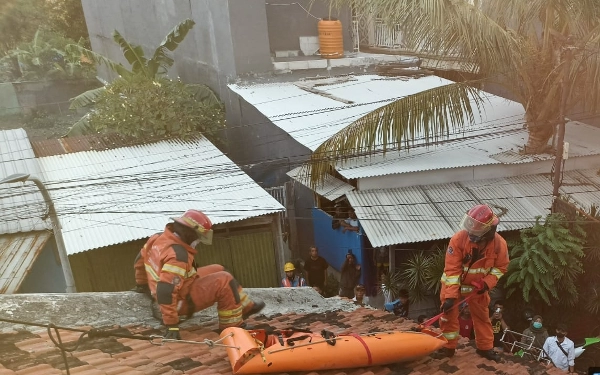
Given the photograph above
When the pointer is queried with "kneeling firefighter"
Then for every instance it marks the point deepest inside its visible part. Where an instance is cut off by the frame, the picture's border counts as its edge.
(477, 257)
(166, 267)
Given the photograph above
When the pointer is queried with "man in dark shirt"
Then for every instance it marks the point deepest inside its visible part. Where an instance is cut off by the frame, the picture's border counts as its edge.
(316, 269)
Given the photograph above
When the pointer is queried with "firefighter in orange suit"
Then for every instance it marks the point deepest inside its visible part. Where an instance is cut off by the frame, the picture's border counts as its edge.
(477, 257)
(165, 266)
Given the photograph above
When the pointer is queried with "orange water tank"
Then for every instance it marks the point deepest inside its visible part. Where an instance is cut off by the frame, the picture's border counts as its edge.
(331, 42)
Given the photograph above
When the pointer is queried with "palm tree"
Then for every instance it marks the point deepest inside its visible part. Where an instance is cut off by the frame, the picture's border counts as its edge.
(514, 43)
(152, 68)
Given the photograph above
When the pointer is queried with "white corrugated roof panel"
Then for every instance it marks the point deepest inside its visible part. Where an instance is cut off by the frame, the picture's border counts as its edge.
(483, 146)
(432, 212)
(311, 119)
(331, 189)
(496, 137)
(119, 195)
(21, 204)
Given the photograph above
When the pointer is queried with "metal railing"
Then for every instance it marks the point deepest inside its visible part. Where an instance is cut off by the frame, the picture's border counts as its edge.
(515, 341)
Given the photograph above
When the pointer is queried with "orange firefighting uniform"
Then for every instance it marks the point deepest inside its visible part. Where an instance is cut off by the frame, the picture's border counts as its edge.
(456, 283)
(166, 264)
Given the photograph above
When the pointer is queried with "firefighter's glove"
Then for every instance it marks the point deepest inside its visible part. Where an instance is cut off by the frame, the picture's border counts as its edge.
(480, 286)
(141, 288)
(172, 332)
(447, 305)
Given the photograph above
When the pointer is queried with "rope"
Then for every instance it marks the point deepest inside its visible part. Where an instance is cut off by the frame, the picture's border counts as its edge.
(53, 330)
(159, 341)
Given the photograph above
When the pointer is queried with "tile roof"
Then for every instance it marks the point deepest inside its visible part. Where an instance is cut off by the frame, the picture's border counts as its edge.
(29, 353)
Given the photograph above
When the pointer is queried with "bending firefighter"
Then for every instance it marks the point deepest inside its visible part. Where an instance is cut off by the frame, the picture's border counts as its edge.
(166, 267)
(477, 257)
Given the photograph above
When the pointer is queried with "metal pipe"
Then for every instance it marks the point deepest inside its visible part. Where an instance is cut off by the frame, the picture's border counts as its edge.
(60, 243)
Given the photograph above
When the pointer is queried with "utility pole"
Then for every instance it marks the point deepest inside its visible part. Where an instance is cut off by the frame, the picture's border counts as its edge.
(566, 57)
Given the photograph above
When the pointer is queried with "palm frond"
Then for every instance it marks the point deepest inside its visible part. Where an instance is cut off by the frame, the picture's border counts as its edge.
(81, 127)
(426, 116)
(99, 59)
(204, 95)
(161, 61)
(86, 98)
(134, 55)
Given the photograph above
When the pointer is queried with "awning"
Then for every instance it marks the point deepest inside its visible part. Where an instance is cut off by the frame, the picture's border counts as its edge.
(433, 212)
(331, 189)
(18, 252)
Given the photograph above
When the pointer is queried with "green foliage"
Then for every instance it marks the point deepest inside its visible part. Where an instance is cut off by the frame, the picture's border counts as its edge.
(547, 262)
(422, 272)
(590, 280)
(66, 18)
(391, 283)
(148, 108)
(143, 102)
(20, 19)
(153, 68)
(45, 57)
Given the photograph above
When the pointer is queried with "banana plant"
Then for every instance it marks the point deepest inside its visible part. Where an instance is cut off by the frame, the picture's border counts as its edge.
(153, 68)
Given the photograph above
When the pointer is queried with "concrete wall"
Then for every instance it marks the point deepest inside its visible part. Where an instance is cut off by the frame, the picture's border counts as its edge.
(229, 38)
(289, 21)
(9, 103)
(266, 153)
(46, 275)
(47, 96)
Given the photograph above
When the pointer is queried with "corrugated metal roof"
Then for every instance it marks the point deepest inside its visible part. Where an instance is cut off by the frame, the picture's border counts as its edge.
(113, 196)
(432, 212)
(332, 188)
(95, 142)
(18, 252)
(311, 119)
(21, 204)
(484, 146)
(496, 137)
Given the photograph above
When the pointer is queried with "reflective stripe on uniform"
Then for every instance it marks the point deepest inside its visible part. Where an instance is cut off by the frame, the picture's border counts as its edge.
(244, 300)
(174, 269)
(496, 272)
(466, 289)
(150, 271)
(228, 317)
(450, 335)
(450, 280)
(477, 270)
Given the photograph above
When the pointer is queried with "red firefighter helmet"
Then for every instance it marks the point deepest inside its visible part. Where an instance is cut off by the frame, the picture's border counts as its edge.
(479, 220)
(199, 222)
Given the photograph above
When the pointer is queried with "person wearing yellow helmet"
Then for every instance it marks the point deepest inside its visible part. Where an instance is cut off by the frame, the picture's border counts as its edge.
(291, 279)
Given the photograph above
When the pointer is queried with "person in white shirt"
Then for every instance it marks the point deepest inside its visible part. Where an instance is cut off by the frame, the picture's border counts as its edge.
(561, 350)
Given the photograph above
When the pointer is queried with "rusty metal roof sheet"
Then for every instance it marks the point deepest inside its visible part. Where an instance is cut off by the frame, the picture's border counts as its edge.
(18, 252)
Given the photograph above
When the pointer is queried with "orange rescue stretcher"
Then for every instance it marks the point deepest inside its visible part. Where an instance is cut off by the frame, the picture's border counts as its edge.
(259, 351)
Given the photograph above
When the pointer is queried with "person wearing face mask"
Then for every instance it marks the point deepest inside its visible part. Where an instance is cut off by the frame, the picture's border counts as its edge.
(560, 349)
(536, 334)
(477, 257)
(166, 268)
